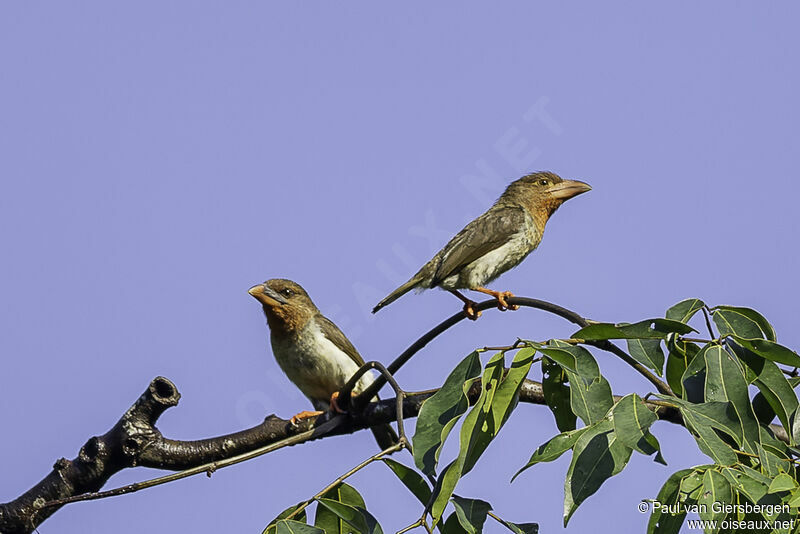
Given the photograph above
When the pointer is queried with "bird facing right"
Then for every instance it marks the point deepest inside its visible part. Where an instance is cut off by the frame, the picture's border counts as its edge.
(495, 242)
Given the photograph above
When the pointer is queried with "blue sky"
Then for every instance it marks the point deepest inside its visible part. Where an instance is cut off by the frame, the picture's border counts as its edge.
(158, 160)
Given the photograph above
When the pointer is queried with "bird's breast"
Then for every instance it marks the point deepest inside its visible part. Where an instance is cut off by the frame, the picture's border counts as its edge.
(483, 270)
(315, 364)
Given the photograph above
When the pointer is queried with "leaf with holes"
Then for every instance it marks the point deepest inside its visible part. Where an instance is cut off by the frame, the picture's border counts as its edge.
(556, 394)
(716, 491)
(572, 358)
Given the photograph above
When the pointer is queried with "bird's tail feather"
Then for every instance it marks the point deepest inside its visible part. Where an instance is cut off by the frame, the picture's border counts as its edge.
(397, 293)
(385, 436)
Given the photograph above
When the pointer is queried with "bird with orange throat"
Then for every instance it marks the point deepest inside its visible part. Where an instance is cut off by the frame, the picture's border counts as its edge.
(312, 351)
(495, 242)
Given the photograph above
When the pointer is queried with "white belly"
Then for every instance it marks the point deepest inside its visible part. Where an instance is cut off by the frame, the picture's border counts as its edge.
(492, 264)
(317, 366)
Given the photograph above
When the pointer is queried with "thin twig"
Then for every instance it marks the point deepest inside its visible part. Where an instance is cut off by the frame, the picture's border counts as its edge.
(400, 395)
(708, 321)
(412, 526)
(402, 443)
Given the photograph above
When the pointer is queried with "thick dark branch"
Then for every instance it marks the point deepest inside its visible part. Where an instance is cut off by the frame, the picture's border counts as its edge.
(525, 302)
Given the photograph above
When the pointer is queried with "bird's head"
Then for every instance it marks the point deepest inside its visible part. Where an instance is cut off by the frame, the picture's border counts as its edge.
(286, 304)
(541, 193)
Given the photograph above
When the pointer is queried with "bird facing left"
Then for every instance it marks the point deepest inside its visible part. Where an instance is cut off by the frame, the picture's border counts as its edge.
(311, 350)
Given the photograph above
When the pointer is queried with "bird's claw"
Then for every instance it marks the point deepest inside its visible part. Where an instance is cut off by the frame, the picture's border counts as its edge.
(335, 404)
(305, 414)
(502, 303)
(470, 311)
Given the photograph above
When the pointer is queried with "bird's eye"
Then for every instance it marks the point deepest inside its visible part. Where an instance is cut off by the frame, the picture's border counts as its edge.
(544, 182)
(287, 292)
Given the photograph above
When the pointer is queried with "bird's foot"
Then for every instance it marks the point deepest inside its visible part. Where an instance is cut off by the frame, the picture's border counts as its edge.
(470, 311)
(502, 303)
(305, 414)
(501, 296)
(335, 404)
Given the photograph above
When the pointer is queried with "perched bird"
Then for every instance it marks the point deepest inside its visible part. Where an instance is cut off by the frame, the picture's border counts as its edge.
(311, 350)
(494, 242)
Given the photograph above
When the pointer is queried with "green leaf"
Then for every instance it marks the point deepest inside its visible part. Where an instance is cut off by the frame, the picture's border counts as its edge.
(716, 489)
(647, 352)
(661, 522)
(476, 433)
(795, 433)
(356, 517)
(553, 449)
(271, 528)
(572, 358)
(556, 394)
(494, 408)
(597, 456)
(410, 479)
(769, 350)
(725, 382)
(742, 322)
(702, 419)
(647, 329)
(506, 397)
(522, 528)
(295, 527)
(773, 462)
(746, 481)
(329, 521)
(772, 384)
(590, 402)
(452, 526)
(692, 484)
(471, 513)
(680, 354)
(440, 413)
(685, 310)
(694, 377)
(782, 482)
(632, 420)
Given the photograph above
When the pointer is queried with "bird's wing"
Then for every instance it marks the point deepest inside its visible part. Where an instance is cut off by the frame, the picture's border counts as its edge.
(332, 332)
(486, 233)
